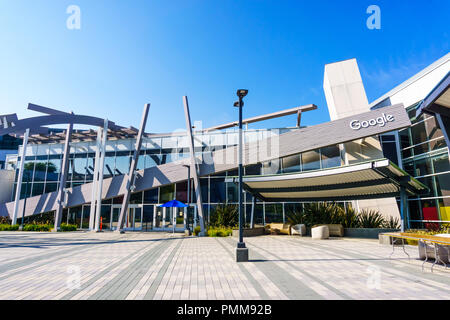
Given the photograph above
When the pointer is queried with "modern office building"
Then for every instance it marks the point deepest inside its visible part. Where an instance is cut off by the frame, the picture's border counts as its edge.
(390, 155)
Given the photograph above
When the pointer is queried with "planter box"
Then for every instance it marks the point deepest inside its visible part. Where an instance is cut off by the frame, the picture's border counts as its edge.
(368, 233)
(258, 231)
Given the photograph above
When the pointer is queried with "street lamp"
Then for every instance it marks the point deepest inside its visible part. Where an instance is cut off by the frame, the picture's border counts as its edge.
(241, 250)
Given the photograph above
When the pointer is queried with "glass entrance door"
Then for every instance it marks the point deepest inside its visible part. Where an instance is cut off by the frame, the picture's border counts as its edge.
(132, 220)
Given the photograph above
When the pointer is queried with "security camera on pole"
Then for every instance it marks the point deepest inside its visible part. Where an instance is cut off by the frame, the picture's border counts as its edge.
(241, 250)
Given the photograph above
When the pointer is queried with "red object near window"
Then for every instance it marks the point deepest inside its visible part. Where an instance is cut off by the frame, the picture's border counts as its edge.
(430, 213)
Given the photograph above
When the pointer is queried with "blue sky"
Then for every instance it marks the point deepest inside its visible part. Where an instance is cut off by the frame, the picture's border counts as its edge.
(128, 53)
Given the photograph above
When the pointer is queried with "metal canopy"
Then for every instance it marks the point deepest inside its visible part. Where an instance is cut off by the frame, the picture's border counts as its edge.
(438, 100)
(368, 180)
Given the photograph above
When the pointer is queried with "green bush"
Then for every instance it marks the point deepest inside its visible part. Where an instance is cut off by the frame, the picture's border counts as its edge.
(332, 213)
(5, 220)
(219, 232)
(371, 219)
(8, 227)
(197, 230)
(38, 227)
(68, 227)
(224, 215)
(392, 223)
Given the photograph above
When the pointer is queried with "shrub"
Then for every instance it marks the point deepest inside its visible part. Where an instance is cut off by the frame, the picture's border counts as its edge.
(392, 223)
(37, 227)
(8, 227)
(68, 227)
(197, 230)
(5, 220)
(224, 215)
(219, 232)
(370, 219)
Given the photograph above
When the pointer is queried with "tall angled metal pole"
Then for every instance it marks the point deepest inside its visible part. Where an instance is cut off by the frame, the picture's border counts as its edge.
(63, 178)
(194, 171)
(131, 176)
(101, 167)
(20, 176)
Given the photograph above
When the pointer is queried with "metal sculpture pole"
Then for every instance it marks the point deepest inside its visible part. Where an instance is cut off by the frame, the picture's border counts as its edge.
(131, 176)
(20, 176)
(198, 192)
(101, 166)
(63, 178)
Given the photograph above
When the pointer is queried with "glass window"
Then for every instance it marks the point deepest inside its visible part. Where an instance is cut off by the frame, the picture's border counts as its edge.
(123, 161)
(429, 182)
(253, 170)
(53, 169)
(167, 193)
(38, 188)
(390, 151)
(204, 186)
(106, 217)
(76, 213)
(151, 196)
(147, 218)
(109, 165)
(40, 169)
(441, 164)
(217, 190)
(232, 192)
(79, 169)
(258, 215)
(311, 160)
(51, 187)
(291, 164)
(331, 157)
(271, 167)
(423, 167)
(274, 213)
(136, 198)
(443, 184)
(86, 213)
(182, 192)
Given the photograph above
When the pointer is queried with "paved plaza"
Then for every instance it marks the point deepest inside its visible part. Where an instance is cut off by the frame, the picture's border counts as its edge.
(83, 265)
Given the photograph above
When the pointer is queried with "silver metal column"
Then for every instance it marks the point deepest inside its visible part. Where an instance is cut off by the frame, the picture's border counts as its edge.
(198, 192)
(131, 176)
(95, 180)
(20, 176)
(63, 178)
(101, 166)
(252, 220)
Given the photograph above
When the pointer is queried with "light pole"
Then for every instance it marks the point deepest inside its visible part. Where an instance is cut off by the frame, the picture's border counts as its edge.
(241, 250)
(188, 197)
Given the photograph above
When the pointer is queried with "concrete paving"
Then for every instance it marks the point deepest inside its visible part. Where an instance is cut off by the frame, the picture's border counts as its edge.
(134, 265)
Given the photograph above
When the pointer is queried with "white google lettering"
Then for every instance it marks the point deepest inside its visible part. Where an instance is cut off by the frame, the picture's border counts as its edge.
(380, 121)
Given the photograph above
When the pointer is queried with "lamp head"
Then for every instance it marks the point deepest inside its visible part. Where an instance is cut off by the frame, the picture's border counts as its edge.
(242, 93)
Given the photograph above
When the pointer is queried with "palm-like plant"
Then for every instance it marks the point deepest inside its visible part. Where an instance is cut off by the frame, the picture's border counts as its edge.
(392, 223)
(225, 215)
(370, 219)
(350, 218)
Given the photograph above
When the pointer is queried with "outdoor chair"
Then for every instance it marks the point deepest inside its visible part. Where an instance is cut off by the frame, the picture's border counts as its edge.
(299, 229)
(320, 232)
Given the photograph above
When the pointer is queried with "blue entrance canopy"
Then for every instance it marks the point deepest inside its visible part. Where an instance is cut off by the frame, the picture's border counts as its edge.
(174, 204)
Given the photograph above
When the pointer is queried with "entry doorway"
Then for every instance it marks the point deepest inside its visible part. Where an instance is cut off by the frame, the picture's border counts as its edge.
(173, 219)
(132, 220)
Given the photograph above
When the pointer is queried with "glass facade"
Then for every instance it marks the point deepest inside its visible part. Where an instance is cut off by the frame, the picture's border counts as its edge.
(424, 155)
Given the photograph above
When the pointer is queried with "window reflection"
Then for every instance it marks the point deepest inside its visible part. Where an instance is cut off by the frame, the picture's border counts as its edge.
(311, 160)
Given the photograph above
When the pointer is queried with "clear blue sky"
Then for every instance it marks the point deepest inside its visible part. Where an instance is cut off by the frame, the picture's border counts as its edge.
(128, 53)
